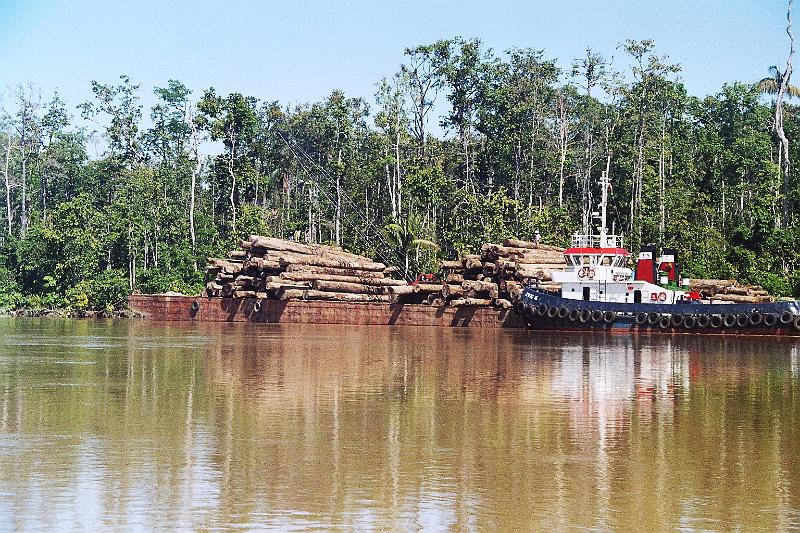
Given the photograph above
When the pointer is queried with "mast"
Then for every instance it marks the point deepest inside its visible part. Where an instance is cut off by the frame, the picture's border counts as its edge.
(603, 206)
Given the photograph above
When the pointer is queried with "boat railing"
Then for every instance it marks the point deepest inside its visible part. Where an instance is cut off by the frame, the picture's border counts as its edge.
(597, 241)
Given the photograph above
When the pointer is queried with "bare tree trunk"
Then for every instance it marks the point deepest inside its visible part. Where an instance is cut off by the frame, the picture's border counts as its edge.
(784, 82)
(662, 184)
(231, 159)
(23, 215)
(399, 183)
(198, 165)
(8, 184)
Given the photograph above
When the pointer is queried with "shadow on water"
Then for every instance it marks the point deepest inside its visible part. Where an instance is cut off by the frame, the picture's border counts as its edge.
(137, 424)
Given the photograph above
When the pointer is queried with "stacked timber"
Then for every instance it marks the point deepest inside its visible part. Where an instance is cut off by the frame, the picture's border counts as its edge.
(730, 290)
(266, 267)
(497, 275)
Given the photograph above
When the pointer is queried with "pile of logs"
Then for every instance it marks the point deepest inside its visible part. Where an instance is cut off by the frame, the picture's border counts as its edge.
(497, 275)
(729, 290)
(267, 267)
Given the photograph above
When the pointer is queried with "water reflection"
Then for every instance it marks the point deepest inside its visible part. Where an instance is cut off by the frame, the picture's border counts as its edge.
(131, 424)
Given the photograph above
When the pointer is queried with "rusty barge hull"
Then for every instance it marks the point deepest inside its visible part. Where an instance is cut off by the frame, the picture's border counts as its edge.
(216, 309)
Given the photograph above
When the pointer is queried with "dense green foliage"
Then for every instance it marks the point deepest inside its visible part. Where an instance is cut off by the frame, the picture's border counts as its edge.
(521, 146)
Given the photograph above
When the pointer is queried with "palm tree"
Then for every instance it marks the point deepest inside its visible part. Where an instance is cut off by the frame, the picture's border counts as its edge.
(404, 235)
(772, 84)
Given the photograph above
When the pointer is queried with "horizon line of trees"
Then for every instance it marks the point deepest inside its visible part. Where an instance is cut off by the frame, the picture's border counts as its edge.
(526, 141)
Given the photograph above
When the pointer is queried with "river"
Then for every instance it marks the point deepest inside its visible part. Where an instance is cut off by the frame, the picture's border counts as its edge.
(141, 425)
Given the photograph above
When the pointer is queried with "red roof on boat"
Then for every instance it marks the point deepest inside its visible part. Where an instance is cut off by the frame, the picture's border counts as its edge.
(596, 251)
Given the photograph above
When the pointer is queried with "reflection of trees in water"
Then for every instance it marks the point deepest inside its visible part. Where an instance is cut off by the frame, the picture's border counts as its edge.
(402, 427)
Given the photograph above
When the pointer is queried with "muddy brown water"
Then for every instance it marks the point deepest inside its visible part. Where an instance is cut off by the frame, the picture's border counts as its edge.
(141, 425)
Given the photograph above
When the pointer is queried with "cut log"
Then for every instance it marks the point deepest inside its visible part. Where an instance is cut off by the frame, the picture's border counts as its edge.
(736, 298)
(340, 286)
(237, 254)
(452, 291)
(469, 302)
(312, 276)
(401, 289)
(263, 264)
(336, 271)
(452, 265)
(300, 294)
(502, 303)
(276, 286)
(429, 287)
(244, 294)
(454, 278)
(311, 260)
(472, 262)
(486, 286)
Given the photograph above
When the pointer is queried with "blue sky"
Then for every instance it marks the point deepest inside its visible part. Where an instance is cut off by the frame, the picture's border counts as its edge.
(298, 51)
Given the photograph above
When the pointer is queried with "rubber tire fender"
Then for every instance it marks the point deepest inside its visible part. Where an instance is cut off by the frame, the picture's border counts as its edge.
(703, 321)
(563, 311)
(529, 312)
(574, 314)
(787, 317)
(257, 306)
(742, 320)
(716, 321)
(770, 319)
(676, 319)
(519, 308)
(541, 309)
(641, 319)
(586, 316)
(609, 317)
(653, 318)
(689, 321)
(552, 311)
(796, 323)
(597, 315)
(665, 322)
(729, 321)
(755, 318)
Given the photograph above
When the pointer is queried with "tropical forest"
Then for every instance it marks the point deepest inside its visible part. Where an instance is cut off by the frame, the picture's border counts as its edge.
(462, 145)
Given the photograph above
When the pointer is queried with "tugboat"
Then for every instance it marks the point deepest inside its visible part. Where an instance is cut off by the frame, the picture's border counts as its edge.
(600, 291)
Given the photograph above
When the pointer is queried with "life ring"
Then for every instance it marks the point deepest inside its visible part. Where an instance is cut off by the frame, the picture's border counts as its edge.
(582, 272)
(662, 296)
(591, 273)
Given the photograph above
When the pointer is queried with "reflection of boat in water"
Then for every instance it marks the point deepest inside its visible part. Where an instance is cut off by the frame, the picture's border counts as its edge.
(599, 291)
